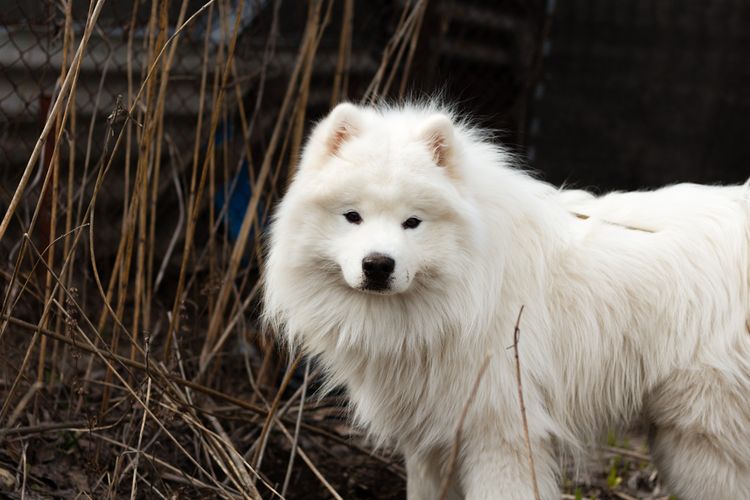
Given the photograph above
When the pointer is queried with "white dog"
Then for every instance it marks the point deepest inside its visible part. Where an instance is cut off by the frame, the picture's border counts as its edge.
(406, 246)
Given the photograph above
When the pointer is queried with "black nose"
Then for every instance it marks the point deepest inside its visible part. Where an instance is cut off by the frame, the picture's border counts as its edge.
(378, 268)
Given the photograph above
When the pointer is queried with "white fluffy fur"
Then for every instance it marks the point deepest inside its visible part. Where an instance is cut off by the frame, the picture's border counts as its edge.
(642, 308)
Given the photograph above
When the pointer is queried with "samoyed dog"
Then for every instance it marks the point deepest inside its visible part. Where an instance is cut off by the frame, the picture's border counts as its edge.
(407, 244)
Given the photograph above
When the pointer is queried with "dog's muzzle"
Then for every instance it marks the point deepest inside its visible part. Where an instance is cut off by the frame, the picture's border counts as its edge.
(377, 269)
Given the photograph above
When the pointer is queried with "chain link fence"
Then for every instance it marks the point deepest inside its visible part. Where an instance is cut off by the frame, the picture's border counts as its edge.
(476, 52)
(32, 57)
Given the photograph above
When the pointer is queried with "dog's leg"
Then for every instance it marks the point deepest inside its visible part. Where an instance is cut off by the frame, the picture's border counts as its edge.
(493, 469)
(424, 476)
(693, 467)
(701, 436)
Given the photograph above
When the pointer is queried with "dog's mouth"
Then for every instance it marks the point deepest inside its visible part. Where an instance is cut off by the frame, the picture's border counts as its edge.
(378, 287)
(382, 286)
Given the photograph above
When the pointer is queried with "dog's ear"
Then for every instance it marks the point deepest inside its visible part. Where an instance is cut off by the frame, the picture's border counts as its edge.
(344, 122)
(439, 136)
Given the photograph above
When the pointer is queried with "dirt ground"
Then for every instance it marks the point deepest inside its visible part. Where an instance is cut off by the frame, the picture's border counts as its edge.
(56, 467)
(55, 450)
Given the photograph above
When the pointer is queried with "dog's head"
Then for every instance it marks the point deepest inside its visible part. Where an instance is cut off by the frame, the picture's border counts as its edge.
(377, 200)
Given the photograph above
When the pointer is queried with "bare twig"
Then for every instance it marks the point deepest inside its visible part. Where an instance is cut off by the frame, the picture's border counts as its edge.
(532, 470)
(288, 476)
(134, 486)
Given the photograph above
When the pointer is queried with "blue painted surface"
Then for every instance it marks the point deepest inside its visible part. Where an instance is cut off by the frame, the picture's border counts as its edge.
(240, 193)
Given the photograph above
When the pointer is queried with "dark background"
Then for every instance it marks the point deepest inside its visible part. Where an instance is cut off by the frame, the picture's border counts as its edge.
(637, 93)
(604, 94)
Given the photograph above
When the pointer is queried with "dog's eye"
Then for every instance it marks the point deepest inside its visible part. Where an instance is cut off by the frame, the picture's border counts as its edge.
(411, 223)
(353, 217)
